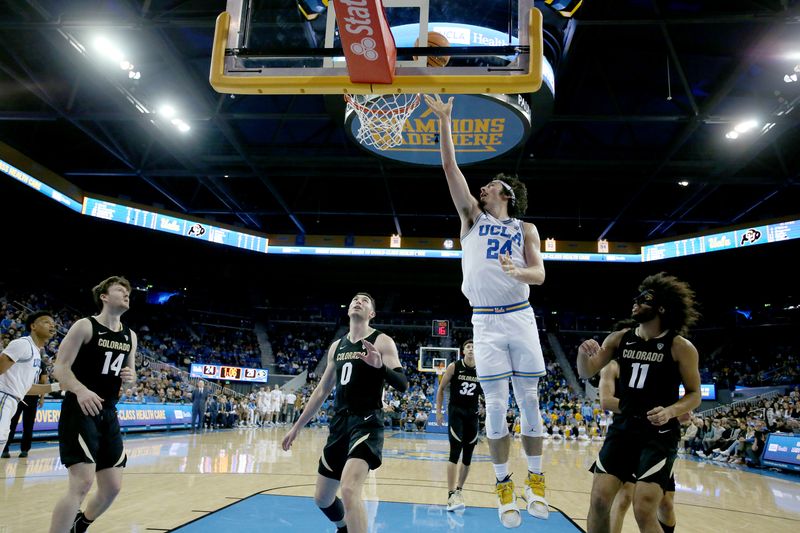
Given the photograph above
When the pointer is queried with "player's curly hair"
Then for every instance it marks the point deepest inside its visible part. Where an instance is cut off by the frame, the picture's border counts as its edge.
(677, 299)
(103, 286)
(519, 205)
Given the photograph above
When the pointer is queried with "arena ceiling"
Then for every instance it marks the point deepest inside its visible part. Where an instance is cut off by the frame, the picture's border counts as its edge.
(645, 94)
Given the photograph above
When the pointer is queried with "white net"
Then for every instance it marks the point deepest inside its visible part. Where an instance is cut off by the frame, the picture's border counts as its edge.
(382, 117)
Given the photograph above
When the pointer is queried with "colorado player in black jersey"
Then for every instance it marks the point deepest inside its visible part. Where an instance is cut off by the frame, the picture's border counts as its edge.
(462, 420)
(358, 366)
(653, 358)
(96, 356)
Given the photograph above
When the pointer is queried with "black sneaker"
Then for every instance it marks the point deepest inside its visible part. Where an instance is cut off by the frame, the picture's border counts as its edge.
(5, 455)
(23, 454)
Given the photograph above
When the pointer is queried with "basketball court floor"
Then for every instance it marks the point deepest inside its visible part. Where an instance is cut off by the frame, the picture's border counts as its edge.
(241, 481)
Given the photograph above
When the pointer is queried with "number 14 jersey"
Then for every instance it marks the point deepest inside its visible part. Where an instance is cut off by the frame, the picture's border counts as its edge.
(98, 363)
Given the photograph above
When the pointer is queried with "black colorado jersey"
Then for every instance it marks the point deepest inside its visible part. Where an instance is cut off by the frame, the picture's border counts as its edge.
(359, 386)
(648, 375)
(464, 386)
(98, 363)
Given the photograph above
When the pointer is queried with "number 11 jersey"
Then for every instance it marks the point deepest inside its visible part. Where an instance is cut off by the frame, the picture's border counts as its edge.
(98, 363)
(648, 375)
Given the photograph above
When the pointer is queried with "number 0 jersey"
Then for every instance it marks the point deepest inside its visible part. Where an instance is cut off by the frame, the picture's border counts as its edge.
(98, 363)
(485, 284)
(648, 375)
(359, 386)
(464, 387)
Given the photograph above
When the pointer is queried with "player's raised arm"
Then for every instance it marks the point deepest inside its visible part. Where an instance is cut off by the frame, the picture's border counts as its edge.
(465, 202)
(592, 357)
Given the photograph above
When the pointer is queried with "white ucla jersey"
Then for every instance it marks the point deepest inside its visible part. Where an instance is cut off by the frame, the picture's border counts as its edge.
(27, 358)
(485, 284)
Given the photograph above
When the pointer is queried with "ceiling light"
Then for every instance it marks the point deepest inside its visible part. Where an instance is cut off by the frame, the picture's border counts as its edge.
(134, 75)
(746, 126)
(793, 55)
(126, 65)
(102, 44)
(732, 135)
(181, 125)
(167, 110)
(683, 183)
(790, 78)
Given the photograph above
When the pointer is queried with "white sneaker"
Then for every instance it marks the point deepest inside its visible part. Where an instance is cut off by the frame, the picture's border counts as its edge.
(534, 496)
(507, 508)
(456, 501)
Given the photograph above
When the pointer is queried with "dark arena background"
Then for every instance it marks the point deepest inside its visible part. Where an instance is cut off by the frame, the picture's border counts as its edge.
(667, 140)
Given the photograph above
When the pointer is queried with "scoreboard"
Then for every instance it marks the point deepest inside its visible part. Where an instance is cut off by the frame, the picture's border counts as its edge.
(232, 373)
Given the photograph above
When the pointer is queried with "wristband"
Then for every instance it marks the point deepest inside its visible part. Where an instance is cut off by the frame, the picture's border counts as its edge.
(55, 387)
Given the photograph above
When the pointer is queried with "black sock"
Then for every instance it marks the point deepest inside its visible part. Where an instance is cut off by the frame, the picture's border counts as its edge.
(666, 528)
(450, 493)
(81, 523)
(335, 513)
(458, 488)
(342, 529)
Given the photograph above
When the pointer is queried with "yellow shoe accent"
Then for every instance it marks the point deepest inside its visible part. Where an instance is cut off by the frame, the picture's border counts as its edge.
(507, 504)
(534, 496)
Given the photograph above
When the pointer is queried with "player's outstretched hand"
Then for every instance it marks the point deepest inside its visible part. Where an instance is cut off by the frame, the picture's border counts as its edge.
(90, 403)
(439, 108)
(289, 439)
(589, 348)
(373, 356)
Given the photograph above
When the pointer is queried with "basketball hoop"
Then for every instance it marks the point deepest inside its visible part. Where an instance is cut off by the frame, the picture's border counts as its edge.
(382, 117)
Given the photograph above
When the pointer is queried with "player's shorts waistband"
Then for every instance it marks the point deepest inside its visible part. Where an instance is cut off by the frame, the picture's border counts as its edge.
(501, 309)
(2, 392)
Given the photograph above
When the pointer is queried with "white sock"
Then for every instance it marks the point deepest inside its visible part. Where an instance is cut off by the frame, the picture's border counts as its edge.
(535, 464)
(500, 471)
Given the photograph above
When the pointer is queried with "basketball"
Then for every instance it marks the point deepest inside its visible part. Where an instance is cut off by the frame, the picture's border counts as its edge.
(436, 39)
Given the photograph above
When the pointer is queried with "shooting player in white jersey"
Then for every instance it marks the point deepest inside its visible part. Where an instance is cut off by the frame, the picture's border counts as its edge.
(20, 365)
(501, 259)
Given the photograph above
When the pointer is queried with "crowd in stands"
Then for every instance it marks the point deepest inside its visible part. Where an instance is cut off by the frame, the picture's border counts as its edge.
(736, 434)
(299, 347)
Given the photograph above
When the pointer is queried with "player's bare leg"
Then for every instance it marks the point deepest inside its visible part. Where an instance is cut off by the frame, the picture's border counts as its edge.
(604, 489)
(109, 483)
(353, 476)
(646, 498)
(329, 504)
(80, 479)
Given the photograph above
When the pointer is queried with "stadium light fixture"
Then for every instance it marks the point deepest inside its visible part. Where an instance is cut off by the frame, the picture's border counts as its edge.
(167, 110)
(733, 134)
(683, 183)
(747, 125)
